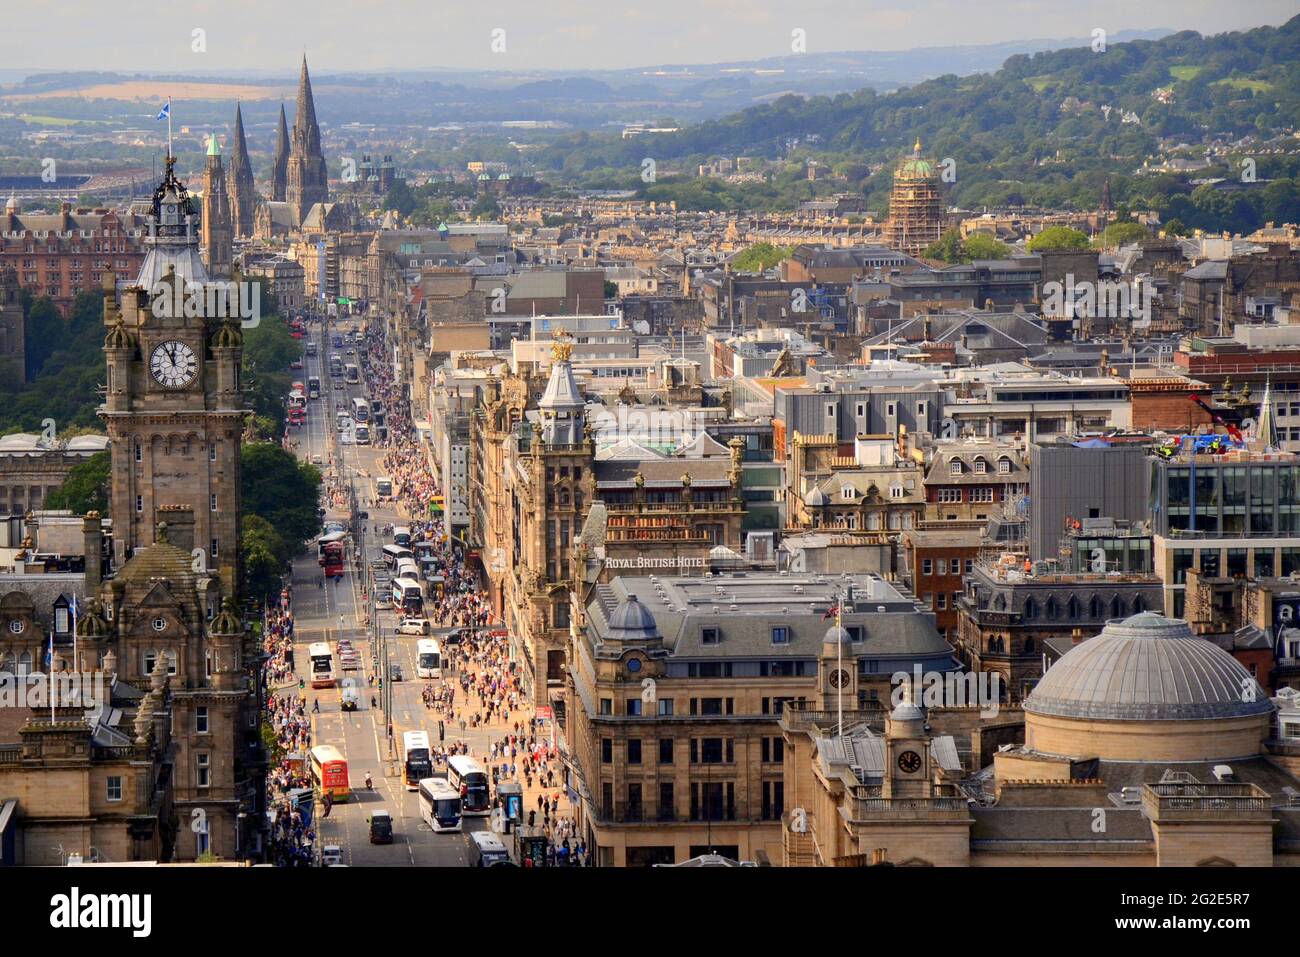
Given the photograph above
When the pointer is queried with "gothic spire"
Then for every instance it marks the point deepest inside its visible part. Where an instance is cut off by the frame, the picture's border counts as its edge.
(280, 167)
(239, 148)
(240, 186)
(304, 118)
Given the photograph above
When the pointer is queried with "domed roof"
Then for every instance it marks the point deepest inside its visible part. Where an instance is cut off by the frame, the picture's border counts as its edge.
(835, 635)
(160, 560)
(1147, 668)
(906, 711)
(815, 497)
(632, 621)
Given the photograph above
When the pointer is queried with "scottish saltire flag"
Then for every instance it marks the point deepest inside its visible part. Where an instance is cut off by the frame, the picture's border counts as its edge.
(165, 112)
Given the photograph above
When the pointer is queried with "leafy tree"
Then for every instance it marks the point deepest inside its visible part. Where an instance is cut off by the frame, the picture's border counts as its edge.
(1058, 237)
(1122, 234)
(486, 208)
(86, 487)
(979, 246)
(947, 248)
(265, 557)
(951, 248)
(281, 490)
(760, 257)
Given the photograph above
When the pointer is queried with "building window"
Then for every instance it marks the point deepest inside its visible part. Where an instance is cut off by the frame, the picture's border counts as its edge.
(606, 750)
(1004, 466)
(633, 750)
(634, 707)
(214, 548)
(927, 566)
(711, 636)
(114, 788)
(941, 567)
(781, 635)
(139, 451)
(949, 496)
(954, 467)
(201, 720)
(606, 706)
(212, 502)
(212, 453)
(982, 494)
(848, 493)
(941, 601)
(665, 707)
(139, 504)
(981, 467)
(665, 750)
(204, 767)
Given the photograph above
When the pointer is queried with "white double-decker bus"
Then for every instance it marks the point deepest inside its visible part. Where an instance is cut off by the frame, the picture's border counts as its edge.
(417, 759)
(322, 665)
(466, 776)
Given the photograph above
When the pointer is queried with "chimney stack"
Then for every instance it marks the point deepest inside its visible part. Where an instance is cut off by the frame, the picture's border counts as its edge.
(93, 536)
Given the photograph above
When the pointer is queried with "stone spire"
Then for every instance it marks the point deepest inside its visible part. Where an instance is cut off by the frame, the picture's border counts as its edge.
(216, 235)
(306, 182)
(239, 181)
(562, 405)
(280, 168)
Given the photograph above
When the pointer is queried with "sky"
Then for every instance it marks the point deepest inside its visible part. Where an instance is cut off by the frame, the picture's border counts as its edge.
(269, 36)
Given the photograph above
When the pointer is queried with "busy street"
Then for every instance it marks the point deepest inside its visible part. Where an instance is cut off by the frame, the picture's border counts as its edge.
(473, 708)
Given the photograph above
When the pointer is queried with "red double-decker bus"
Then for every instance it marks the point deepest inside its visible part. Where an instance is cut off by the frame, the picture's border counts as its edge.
(331, 559)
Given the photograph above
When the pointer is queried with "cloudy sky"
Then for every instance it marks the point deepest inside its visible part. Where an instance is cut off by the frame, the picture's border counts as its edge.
(268, 36)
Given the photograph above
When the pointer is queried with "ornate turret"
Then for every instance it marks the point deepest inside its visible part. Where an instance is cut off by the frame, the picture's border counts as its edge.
(561, 404)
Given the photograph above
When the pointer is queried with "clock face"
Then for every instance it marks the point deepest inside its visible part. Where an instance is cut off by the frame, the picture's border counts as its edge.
(839, 678)
(909, 762)
(173, 364)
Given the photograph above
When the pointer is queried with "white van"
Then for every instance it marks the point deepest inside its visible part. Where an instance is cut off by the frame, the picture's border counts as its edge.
(350, 694)
(486, 850)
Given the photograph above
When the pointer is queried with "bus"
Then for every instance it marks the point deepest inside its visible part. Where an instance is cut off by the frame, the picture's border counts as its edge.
(337, 339)
(395, 553)
(439, 805)
(322, 665)
(329, 772)
(313, 387)
(361, 435)
(428, 658)
(353, 373)
(336, 366)
(408, 597)
(297, 399)
(402, 536)
(361, 410)
(297, 416)
(332, 559)
(465, 775)
(486, 850)
(417, 759)
(384, 487)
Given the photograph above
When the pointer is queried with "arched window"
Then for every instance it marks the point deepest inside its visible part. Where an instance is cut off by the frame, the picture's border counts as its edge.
(1139, 605)
(1053, 610)
(1031, 608)
(1000, 603)
(1029, 646)
(1072, 608)
(1094, 608)
(1117, 607)
(564, 496)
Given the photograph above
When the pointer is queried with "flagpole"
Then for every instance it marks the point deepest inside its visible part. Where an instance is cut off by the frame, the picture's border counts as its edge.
(49, 677)
(839, 657)
(76, 662)
(169, 127)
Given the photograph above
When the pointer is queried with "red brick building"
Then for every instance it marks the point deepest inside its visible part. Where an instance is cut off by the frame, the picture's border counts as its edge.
(935, 562)
(61, 254)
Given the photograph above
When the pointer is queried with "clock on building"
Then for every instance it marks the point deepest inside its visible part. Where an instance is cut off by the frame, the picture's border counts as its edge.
(839, 678)
(909, 762)
(173, 364)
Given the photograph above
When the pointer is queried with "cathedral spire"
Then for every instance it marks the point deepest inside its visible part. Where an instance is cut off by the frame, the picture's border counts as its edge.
(304, 118)
(306, 181)
(281, 165)
(240, 185)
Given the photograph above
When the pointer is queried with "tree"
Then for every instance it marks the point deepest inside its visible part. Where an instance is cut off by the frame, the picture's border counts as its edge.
(980, 246)
(281, 490)
(951, 248)
(1122, 234)
(760, 257)
(86, 487)
(947, 248)
(1057, 237)
(486, 208)
(265, 557)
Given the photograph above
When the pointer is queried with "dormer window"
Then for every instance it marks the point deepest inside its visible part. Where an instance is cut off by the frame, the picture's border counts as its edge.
(1004, 466)
(848, 493)
(981, 467)
(954, 468)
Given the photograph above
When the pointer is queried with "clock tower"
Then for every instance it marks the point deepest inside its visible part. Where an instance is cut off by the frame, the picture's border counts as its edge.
(907, 753)
(173, 405)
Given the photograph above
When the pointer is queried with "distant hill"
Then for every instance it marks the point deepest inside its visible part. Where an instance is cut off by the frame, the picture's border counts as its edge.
(1046, 127)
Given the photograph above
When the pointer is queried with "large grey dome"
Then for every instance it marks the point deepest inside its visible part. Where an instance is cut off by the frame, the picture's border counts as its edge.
(632, 621)
(1147, 667)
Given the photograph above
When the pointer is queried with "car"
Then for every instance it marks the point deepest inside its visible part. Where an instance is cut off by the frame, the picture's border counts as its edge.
(338, 386)
(413, 626)
(331, 855)
(352, 352)
(295, 364)
(350, 694)
(394, 672)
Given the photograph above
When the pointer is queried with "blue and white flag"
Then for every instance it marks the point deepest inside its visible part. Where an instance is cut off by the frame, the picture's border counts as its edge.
(165, 112)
